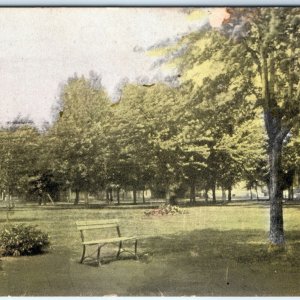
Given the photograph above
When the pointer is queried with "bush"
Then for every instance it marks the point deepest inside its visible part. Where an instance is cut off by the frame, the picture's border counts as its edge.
(21, 239)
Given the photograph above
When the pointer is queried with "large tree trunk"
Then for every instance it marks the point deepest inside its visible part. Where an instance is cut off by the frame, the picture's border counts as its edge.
(276, 235)
(276, 134)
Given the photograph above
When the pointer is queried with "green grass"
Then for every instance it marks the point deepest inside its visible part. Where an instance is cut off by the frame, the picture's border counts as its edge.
(212, 251)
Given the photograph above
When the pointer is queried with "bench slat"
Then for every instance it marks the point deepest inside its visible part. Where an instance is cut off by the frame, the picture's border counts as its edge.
(88, 227)
(112, 240)
(97, 222)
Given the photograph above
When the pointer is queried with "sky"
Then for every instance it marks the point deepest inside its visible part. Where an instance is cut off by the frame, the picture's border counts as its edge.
(40, 48)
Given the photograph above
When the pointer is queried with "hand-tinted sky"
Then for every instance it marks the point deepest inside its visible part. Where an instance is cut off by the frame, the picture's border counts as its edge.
(41, 48)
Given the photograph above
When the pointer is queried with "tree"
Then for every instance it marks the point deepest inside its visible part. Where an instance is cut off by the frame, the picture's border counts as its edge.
(20, 151)
(271, 46)
(140, 117)
(246, 154)
(76, 141)
(256, 53)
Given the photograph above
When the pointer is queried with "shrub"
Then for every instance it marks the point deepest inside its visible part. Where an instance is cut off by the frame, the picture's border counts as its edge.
(165, 209)
(21, 239)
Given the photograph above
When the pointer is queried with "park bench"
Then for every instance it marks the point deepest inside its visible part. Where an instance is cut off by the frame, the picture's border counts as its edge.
(98, 233)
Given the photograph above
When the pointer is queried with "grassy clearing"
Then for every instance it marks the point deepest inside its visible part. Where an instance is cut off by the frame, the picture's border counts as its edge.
(212, 250)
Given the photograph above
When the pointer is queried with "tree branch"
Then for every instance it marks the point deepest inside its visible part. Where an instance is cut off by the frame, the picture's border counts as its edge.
(282, 134)
(254, 55)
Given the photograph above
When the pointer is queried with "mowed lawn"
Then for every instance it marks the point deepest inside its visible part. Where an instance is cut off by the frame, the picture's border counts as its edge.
(211, 250)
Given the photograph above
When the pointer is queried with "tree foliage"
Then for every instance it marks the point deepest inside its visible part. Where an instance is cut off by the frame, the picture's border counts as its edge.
(76, 141)
(254, 61)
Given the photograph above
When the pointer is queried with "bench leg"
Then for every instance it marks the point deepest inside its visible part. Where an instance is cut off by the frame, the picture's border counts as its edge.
(135, 249)
(120, 249)
(98, 256)
(83, 254)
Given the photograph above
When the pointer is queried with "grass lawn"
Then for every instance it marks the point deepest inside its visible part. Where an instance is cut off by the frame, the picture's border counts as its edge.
(211, 250)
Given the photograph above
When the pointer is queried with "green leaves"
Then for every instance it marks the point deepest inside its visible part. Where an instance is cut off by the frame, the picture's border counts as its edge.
(20, 150)
(78, 137)
(21, 239)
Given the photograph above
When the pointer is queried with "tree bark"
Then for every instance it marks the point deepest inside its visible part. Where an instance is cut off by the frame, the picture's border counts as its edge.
(70, 195)
(134, 195)
(143, 194)
(276, 234)
(118, 196)
(76, 201)
(206, 195)
(86, 198)
(289, 194)
(223, 194)
(276, 134)
(214, 199)
(257, 198)
(192, 192)
(229, 195)
(291, 186)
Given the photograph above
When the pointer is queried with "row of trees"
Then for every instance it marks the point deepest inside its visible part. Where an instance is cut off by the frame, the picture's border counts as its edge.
(155, 137)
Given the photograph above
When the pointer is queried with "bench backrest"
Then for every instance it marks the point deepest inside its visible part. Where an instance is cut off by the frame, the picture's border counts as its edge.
(97, 224)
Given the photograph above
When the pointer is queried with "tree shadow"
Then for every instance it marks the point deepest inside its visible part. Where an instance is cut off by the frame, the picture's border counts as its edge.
(240, 203)
(13, 220)
(198, 263)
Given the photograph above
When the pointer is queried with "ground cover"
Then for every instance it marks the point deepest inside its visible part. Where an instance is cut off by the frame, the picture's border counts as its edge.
(210, 250)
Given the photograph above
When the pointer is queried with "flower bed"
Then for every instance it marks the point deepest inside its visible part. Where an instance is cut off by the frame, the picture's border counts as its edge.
(165, 209)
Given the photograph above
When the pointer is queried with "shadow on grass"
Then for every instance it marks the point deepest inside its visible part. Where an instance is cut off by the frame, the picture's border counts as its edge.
(244, 246)
(83, 207)
(243, 203)
(108, 259)
(12, 220)
(292, 204)
(212, 262)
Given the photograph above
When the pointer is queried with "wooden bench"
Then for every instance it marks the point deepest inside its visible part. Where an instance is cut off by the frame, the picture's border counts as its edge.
(96, 228)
